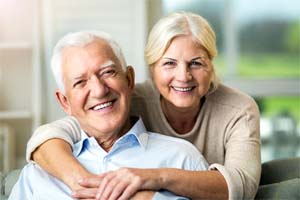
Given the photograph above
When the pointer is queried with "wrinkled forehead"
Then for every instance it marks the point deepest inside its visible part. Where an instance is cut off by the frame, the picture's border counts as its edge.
(104, 47)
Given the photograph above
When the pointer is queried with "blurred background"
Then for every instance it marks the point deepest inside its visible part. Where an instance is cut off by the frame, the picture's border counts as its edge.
(259, 53)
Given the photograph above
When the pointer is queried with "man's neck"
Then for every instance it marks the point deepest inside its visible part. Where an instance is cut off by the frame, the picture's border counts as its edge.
(106, 141)
(107, 144)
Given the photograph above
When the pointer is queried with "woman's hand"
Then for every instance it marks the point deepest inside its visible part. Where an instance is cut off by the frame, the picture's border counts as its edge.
(120, 184)
(89, 187)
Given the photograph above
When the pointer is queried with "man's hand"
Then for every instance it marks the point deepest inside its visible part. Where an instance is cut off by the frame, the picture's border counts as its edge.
(121, 184)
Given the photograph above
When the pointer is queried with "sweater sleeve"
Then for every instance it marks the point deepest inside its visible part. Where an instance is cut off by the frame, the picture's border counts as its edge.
(242, 167)
(66, 128)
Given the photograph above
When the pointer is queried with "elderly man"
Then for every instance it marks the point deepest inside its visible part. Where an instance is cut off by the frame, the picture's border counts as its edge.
(95, 87)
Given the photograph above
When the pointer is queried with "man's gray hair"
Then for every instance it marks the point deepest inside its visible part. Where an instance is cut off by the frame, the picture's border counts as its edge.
(80, 39)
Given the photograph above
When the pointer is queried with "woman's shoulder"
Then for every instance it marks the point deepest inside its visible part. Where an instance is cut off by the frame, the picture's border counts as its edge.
(65, 122)
(145, 90)
(228, 96)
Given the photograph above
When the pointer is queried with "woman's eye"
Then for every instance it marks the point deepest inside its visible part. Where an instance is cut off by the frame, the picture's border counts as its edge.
(197, 64)
(169, 63)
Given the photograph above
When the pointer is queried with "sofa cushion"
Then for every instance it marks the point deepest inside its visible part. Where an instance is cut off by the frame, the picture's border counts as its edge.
(279, 170)
(8, 182)
(283, 190)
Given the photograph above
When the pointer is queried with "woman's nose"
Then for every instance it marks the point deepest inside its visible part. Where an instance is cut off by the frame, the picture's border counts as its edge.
(183, 73)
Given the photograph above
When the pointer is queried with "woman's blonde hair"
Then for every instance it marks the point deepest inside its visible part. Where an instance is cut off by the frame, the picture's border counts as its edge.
(177, 24)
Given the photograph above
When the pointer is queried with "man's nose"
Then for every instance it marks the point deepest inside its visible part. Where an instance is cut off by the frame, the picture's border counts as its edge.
(98, 87)
(183, 73)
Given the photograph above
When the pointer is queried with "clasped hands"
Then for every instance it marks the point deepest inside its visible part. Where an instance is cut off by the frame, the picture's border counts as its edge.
(121, 184)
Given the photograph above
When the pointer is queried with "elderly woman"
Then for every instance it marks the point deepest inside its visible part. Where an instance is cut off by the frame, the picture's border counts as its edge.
(184, 100)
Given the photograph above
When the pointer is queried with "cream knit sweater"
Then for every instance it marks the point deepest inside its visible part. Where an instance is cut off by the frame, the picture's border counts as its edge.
(226, 133)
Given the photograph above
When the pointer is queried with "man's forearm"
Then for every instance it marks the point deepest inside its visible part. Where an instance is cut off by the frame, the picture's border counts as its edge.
(55, 156)
(194, 184)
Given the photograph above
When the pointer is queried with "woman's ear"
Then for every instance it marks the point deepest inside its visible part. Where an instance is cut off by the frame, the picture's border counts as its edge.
(130, 77)
(63, 101)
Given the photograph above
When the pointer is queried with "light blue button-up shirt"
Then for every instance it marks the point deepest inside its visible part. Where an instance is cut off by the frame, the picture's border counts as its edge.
(137, 148)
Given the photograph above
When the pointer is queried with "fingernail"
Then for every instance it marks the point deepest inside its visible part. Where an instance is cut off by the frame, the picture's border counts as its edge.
(73, 194)
(97, 196)
(80, 180)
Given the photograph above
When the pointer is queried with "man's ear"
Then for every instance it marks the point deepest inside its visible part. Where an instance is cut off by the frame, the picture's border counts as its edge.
(130, 77)
(63, 101)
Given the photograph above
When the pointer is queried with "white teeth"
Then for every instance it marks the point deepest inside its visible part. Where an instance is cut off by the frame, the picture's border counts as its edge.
(182, 89)
(101, 106)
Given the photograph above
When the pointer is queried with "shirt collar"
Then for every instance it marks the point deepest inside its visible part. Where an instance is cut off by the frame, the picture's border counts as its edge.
(79, 146)
(137, 131)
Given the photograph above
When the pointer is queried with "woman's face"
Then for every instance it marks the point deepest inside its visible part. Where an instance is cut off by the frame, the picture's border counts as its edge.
(183, 74)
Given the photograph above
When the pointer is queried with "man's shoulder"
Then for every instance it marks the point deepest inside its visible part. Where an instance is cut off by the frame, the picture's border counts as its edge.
(31, 167)
(173, 142)
(179, 150)
(39, 182)
(27, 181)
(32, 172)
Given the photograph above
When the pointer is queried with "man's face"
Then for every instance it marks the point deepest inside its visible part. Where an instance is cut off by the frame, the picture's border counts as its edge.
(97, 90)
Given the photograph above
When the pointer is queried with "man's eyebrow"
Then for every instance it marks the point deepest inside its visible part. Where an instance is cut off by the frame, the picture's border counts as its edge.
(78, 77)
(107, 64)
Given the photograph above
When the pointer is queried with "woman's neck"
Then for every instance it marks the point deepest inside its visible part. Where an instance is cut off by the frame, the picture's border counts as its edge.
(182, 120)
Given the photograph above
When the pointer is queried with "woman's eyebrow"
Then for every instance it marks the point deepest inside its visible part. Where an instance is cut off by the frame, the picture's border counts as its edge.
(169, 58)
(199, 57)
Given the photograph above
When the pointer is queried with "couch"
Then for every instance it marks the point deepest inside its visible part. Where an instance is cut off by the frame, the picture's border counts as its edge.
(7, 182)
(280, 179)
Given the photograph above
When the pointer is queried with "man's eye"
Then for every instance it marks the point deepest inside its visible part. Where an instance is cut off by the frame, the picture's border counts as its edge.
(79, 83)
(108, 73)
